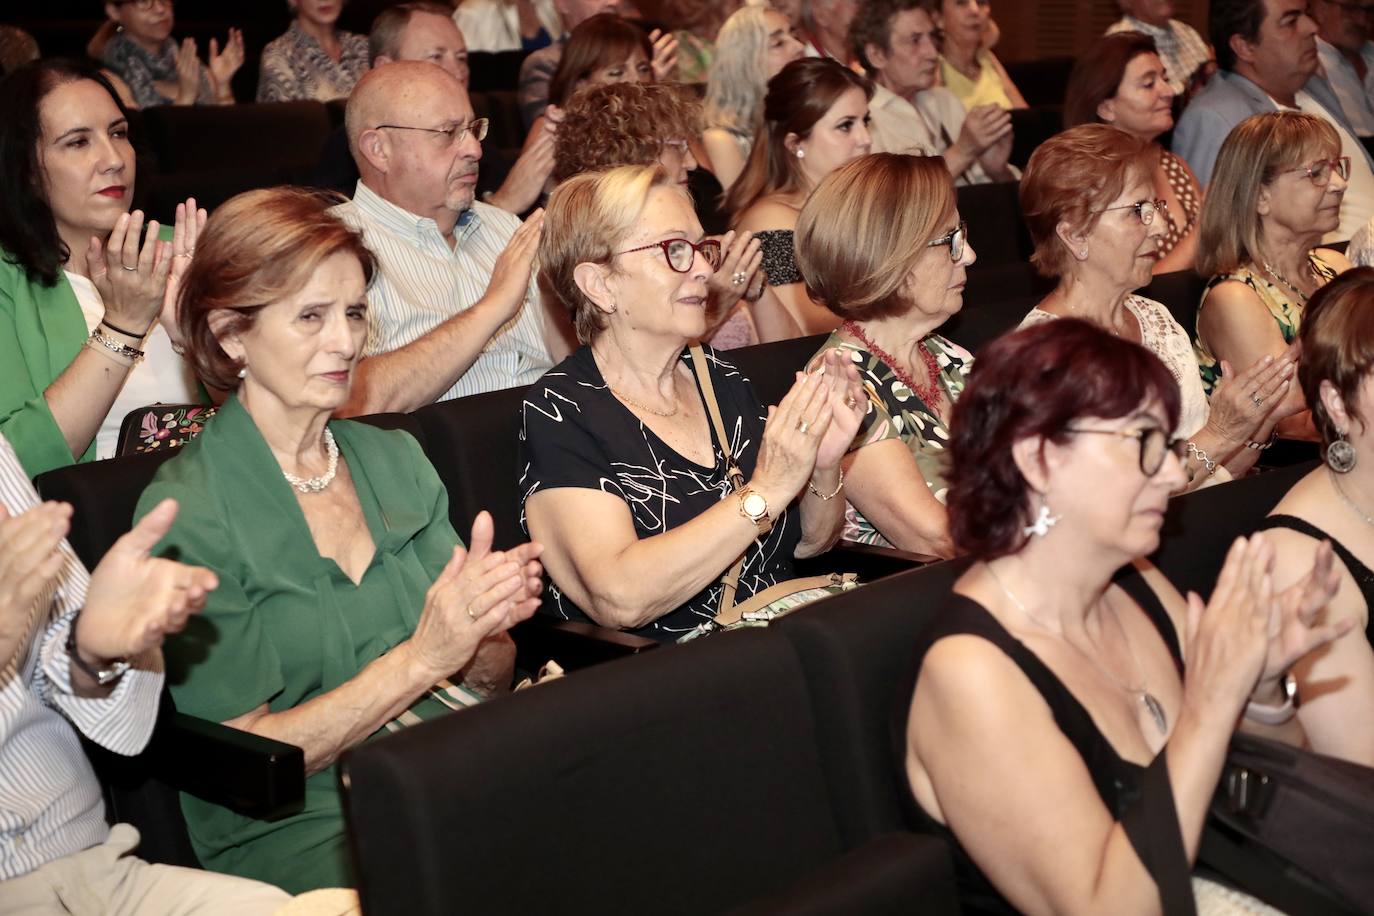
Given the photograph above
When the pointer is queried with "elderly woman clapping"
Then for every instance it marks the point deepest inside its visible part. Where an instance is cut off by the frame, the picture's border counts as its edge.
(625, 482)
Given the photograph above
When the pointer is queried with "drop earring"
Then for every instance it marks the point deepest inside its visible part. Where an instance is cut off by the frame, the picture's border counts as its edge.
(1044, 521)
(1340, 455)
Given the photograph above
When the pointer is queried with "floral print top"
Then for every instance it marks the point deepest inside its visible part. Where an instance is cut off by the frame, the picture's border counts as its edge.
(895, 411)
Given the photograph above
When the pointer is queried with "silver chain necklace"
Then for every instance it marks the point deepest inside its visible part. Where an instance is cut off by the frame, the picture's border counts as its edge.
(1147, 699)
(1348, 501)
(1284, 280)
(316, 484)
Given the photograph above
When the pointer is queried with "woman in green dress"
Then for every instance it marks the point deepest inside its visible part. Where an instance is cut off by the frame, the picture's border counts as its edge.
(880, 243)
(347, 605)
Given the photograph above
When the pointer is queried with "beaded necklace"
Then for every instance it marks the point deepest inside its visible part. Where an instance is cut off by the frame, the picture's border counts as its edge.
(929, 394)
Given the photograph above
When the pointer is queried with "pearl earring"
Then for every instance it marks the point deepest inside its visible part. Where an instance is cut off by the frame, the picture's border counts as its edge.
(801, 154)
(243, 373)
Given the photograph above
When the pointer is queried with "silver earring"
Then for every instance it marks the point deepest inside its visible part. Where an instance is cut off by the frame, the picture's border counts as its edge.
(1340, 455)
(1044, 521)
(801, 154)
(1083, 252)
(243, 373)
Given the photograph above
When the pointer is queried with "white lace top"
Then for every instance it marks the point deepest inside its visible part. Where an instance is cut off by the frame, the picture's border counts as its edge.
(1165, 338)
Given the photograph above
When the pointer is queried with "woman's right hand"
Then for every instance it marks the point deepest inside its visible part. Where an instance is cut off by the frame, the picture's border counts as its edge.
(1242, 403)
(130, 278)
(188, 73)
(787, 453)
(190, 222)
(478, 593)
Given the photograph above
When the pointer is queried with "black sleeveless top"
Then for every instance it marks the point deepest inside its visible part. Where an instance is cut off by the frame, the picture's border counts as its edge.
(1363, 575)
(1119, 782)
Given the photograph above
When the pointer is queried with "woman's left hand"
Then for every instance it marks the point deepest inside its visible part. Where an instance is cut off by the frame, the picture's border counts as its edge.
(224, 64)
(848, 402)
(190, 222)
(1294, 612)
(665, 55)
(1241, 403)
(741, 258)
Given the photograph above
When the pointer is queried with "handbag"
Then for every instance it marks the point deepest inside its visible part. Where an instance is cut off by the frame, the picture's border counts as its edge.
(761, 608)
(1293, 828)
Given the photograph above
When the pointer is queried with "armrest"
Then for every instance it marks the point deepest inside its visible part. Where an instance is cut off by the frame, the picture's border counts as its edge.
(868, 561)
(573, 644)
(254, 776)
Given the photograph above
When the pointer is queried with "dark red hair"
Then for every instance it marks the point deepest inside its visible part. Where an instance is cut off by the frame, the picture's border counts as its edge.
(1036, 382)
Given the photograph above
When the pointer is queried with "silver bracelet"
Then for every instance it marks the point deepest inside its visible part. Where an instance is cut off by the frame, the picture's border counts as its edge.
(1260, 446)
(102, 344)
(838, 487)
(1275, 715)
(1201, 456)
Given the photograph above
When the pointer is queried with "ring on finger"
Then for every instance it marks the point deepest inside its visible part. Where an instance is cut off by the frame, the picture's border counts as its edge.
(849, 401)
(739, 278)
(471, 615)
(126, 267)
(803, 426)
(1259, 401)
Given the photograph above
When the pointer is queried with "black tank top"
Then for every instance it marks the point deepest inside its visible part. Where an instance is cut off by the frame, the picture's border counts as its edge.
(1363, 575)
(1119, 782)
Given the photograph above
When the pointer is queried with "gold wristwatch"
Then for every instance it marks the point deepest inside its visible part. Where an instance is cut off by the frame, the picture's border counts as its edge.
(754, 507)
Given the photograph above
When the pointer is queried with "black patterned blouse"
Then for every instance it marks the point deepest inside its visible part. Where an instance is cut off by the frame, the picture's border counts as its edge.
(779, 256)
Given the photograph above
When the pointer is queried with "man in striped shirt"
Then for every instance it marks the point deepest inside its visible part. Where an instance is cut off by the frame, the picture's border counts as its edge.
(83, 652)
(453, 309)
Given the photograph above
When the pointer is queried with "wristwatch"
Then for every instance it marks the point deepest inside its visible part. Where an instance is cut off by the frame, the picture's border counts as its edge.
(102, 676)
(754, 507)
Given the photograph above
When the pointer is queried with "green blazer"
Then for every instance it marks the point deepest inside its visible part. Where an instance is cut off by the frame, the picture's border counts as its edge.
(41, 331)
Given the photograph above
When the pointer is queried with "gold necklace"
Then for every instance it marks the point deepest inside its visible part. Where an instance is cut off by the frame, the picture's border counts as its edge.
(645, 407)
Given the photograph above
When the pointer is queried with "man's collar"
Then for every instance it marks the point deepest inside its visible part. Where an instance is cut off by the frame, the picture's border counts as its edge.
(400, 220)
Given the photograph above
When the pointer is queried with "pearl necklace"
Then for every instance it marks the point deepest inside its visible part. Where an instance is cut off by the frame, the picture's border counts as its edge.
(929, 394)
(316, 484)
(1147, 699)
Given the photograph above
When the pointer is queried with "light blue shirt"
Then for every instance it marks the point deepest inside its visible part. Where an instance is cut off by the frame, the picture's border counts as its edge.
(1354, 94)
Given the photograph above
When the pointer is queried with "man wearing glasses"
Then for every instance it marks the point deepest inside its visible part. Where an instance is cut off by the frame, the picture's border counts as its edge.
(1347, 57)
(453, 309)
(1267, 55)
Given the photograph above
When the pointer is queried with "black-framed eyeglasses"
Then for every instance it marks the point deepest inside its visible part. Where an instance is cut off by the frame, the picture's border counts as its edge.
(680, 253)
(1154, 445)
(1145, 210)
(455, 134)
(144, 5)
(1320, 171)
(955, 239)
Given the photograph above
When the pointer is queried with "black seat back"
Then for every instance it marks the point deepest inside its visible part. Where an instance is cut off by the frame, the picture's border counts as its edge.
(995, 228)
(769, 367)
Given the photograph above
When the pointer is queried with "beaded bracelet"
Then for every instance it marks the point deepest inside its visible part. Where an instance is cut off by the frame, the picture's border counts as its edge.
(838, 487)
(1260, 446)
(1201, 456)
(105, 345)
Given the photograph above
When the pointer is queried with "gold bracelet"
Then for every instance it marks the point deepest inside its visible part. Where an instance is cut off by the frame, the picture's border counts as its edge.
(838, 487)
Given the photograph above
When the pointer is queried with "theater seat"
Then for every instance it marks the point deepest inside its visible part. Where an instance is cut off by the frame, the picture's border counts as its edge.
(202, 138)
(684, 781)
(995, 228)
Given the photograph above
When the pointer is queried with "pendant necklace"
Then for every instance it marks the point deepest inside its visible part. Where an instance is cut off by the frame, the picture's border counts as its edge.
(1147, 699)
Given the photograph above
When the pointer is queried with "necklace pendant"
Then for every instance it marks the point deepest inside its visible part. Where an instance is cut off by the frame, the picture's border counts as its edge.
(1156, 710)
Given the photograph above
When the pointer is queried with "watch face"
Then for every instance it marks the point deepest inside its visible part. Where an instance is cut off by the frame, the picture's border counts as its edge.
(755, 506)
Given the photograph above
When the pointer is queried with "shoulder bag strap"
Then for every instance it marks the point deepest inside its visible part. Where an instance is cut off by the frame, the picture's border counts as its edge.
(730, 581)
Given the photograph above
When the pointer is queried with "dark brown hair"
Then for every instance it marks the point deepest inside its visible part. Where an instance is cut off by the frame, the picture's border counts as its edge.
(1098, 72)
(598, 42)
(1338, 345)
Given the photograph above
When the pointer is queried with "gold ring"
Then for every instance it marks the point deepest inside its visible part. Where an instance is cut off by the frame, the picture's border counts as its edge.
(849, 401)
(802, 427)
(471, 615)
(128, 268)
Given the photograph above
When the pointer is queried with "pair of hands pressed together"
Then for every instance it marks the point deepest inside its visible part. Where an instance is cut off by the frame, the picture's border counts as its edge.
(1256, 399)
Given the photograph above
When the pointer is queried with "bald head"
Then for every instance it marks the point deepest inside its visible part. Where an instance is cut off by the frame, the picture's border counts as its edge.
(401, 121)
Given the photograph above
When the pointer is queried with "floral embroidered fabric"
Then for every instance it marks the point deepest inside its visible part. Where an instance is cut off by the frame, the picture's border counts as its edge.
(162, 427)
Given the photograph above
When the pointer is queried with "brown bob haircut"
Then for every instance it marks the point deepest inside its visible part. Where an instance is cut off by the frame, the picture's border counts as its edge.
(865, 226)
(1098, 73)
(258, 248)
(600, 41)
(1338, 346)
(1069, 179)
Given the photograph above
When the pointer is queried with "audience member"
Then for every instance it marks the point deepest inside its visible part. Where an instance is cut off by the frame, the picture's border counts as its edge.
(623, 481)
(82, 285)
(157, 70)
(1120, 80)
(1048, 696)
(695, 25)
(1268, 59)
(1347, 55)
(754, 44)
(346, 605)
(898, 43)
(1188, 62)
(967, 65)
(815, 120)
(603, 49)
(82, 653)
(646, 123)
(1276, 192)
(1360, 251)
(1335, 688)
(538, 68)
(881, 244)
(1096, 225)
(823, 27)
(508, 25)
(314, 59)
(453, 309)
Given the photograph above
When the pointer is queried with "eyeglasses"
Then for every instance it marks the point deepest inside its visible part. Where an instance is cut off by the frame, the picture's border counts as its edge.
(1154, 445)
(1145, 210)
(454, 134)
(1320, 171)
(144, 6)
(680, 253)
(955, 239)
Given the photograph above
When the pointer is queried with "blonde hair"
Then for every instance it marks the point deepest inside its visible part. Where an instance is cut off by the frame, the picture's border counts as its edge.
(865, 226)
(1256, 152)
(587, 218)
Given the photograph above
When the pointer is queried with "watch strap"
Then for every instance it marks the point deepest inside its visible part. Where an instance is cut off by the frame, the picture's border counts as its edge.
(102, 676)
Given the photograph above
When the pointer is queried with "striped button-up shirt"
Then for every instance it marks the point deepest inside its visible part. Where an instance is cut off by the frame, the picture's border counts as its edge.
(50, 802)
(421, 282)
